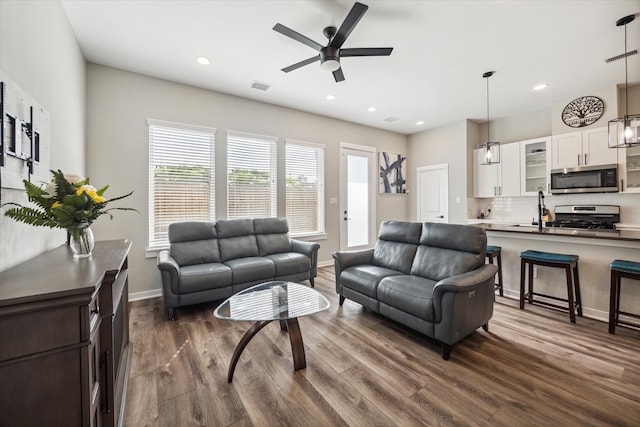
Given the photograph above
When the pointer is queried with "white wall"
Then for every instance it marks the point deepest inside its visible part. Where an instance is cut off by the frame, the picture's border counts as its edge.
(39, 52)
(118, 106)
(447, 144)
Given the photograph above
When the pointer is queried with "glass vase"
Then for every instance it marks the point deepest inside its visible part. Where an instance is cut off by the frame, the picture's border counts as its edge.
(81, 240)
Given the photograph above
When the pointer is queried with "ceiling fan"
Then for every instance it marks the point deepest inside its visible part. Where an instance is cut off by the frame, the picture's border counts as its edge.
(330, 54)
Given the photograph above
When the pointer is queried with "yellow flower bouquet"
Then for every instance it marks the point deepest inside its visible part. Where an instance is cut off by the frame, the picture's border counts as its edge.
(69, 202)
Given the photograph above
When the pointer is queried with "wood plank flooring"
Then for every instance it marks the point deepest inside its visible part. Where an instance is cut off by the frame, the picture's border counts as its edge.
(533, 367)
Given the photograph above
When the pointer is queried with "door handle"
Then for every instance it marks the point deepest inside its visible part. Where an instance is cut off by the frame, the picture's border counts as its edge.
(585, 159)
(440, 216)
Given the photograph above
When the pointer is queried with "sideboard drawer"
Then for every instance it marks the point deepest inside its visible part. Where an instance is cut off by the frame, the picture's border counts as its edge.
(38, 331)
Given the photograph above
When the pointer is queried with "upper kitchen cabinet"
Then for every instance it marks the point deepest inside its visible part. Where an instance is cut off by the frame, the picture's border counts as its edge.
(582, 148)
(629, 169)
(535, 159)
(498, 179)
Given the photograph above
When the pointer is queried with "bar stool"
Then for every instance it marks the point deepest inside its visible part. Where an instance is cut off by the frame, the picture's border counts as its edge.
(547, 259)
(620, 269)
(496, 251)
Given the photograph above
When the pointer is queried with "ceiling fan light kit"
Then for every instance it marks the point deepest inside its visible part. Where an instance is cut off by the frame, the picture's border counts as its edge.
(623, 131)
(329, 55)
(491, 149)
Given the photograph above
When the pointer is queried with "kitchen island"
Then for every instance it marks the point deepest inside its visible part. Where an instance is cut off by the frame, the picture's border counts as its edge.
(596, 249)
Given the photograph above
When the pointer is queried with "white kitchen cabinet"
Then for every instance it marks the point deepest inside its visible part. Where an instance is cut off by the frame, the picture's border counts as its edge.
(582, 148)
(629, 169)
(535, 162)
(498, 179)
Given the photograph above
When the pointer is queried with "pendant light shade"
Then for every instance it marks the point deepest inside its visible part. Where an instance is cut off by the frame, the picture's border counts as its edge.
(623, 131)
(489, 151)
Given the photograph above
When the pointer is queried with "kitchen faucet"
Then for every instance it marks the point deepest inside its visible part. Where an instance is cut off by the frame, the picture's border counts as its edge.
(541, 209)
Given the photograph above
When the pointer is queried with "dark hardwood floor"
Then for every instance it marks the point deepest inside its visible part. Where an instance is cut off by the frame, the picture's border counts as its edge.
(533, 367)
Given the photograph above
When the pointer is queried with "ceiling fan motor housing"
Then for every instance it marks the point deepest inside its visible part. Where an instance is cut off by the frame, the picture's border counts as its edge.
(330, 58)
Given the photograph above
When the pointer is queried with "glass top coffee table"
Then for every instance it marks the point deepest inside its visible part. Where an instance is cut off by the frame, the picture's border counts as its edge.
(264, 303)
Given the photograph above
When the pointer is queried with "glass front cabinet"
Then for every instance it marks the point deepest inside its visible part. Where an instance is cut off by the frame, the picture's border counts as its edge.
(535, 163)
(629, 169)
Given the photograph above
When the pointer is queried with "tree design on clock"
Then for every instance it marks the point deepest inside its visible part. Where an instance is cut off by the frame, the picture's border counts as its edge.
(583, 111)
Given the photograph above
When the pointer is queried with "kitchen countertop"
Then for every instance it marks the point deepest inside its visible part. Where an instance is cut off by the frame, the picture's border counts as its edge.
(628, 235)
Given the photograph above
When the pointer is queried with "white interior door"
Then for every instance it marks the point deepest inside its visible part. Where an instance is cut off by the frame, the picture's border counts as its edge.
(433, 193)
(357, 196)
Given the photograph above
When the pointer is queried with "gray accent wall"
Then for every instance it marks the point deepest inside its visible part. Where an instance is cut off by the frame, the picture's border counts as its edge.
(39, 52)
(119, 103)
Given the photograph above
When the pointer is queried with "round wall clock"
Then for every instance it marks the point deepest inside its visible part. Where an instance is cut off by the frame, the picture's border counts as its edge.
(583, 111)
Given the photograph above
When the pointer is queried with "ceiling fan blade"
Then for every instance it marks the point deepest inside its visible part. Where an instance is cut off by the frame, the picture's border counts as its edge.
(286, 31)
(301, 64)
(355, 14)
(366, 51)
(338, 75)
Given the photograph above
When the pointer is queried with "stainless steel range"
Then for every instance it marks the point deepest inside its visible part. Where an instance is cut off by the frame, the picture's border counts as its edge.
(592, 217)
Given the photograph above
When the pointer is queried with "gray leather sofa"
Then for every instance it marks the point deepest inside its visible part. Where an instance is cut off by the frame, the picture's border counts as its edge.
(430, 277)
(209, 261)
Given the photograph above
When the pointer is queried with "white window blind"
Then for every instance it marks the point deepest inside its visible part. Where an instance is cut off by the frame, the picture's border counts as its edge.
(305, 187)
(251, 176)
(181, 176)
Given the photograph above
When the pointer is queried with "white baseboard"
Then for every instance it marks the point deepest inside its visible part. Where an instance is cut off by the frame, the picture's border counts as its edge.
(591, 313)
(328, 263)
(136, 296)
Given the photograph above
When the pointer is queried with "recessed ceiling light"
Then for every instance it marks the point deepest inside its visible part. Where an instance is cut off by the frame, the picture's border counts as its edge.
(540, 86)
(203, 60)
(331, 97)
(419, 122)
(371, 109)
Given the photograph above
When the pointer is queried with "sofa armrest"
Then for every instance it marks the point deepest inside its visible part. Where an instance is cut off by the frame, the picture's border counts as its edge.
(166, 262)
(309, 249)
(465, 282)
(345, 259)
(447, 290)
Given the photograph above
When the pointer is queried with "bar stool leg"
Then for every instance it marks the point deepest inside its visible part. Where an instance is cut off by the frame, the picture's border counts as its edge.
(500, 274)
(530, 293)
(576, 284)
(613, 298)
(522, 268)
(572, 309)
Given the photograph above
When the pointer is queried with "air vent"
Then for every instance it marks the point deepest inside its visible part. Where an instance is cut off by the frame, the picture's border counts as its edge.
(391, 119)
(621, 56)
(260, 86)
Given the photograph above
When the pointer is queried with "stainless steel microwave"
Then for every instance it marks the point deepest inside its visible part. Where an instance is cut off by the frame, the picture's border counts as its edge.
(585, 179)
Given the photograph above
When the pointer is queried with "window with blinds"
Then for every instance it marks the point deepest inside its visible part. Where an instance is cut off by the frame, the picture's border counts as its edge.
(251, 176)
(305, 187)
(181, 176)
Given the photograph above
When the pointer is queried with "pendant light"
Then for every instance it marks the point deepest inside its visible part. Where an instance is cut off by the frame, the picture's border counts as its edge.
(489, 151)
(623, 131)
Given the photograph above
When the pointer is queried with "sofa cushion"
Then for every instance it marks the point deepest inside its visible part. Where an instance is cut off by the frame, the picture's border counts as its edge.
(400, 231)
(234, 227)
(290, 263)
(251, 269)
(396, 245)
(193, 242)
(365, 278)
(411, 294)
(186, 231)
(271, 234)
(202, 277)
(238, 247)
(449, 249)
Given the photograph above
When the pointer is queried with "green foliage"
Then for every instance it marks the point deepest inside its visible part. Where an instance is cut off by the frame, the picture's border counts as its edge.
(66, 202)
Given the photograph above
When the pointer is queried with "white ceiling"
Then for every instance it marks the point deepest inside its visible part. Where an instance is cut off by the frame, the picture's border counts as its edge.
(441, 50)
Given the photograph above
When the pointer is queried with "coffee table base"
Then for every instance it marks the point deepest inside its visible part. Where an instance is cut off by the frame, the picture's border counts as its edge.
(295, 337)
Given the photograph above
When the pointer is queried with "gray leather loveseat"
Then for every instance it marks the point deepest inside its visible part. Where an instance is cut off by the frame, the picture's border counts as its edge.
(430, 277)
(209, 261)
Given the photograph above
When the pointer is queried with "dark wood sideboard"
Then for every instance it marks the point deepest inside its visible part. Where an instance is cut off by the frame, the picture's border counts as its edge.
(64, 338)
